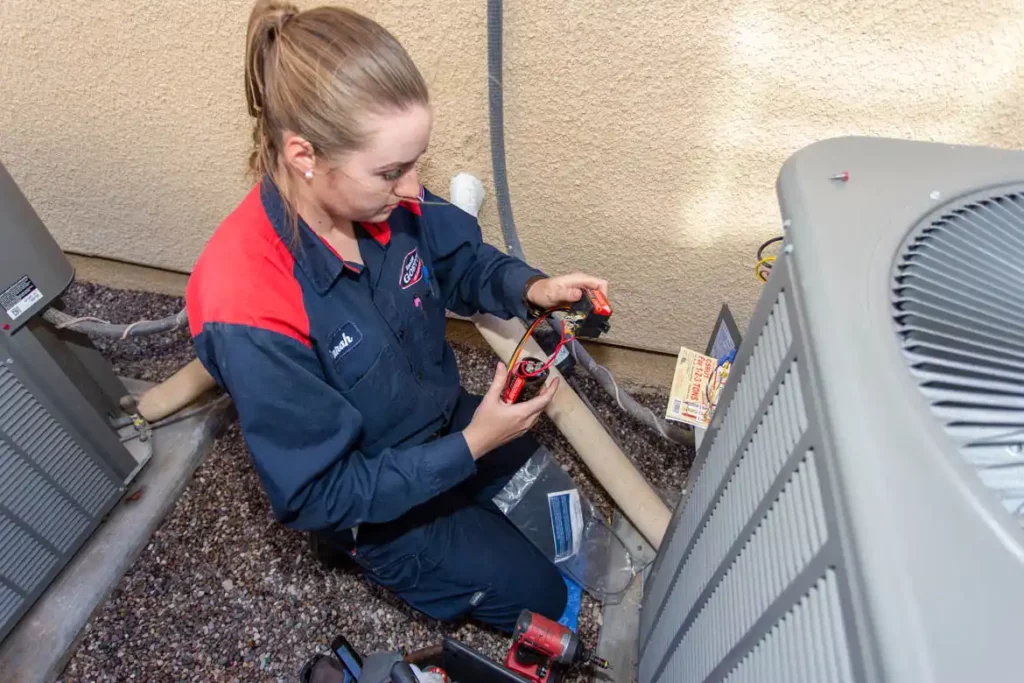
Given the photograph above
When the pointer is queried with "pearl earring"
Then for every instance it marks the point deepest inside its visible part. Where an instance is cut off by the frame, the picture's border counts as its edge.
(309, 174)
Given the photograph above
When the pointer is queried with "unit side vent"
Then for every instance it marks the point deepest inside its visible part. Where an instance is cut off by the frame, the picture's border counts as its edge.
(788, 536)
(809, 643)
(36, 502)
(752, 387)
(25, 560)
(10, 602)
(33, 433)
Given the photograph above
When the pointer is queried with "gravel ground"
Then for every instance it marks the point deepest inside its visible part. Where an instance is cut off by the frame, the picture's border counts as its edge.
(223, 593)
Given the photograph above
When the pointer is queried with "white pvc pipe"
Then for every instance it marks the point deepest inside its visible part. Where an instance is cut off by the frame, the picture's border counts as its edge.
(596, 448)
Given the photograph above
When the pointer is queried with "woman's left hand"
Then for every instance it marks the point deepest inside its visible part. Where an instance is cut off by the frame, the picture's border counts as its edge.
(563, 290)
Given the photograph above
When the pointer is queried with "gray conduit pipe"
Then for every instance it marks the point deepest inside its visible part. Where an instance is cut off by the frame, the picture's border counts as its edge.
(496, 102)
(101, 328)
(496, 110)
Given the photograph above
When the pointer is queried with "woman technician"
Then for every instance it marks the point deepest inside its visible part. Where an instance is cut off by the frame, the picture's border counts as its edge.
(319, 304)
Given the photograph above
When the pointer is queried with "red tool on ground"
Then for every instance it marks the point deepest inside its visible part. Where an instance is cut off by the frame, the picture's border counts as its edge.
(541, 648)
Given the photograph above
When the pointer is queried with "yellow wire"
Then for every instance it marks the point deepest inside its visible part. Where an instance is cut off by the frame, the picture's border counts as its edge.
(763, 263)
(529, 332)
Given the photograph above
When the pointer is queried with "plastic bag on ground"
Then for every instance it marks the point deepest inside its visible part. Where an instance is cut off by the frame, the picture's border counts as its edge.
(545, 504)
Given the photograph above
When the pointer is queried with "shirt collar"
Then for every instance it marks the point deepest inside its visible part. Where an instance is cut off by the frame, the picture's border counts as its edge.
(317, 259)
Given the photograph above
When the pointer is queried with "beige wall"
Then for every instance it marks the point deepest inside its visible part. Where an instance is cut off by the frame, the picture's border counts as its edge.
(644, 131)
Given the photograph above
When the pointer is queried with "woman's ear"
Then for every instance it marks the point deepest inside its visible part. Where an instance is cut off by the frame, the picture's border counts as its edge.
(298, 155)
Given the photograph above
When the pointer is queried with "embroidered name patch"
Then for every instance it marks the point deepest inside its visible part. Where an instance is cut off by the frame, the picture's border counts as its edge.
(412, 270)
(346, 338)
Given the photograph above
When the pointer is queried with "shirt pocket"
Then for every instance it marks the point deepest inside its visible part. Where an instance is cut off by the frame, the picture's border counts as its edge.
(388, 398)
(373, 378)
(350, 357)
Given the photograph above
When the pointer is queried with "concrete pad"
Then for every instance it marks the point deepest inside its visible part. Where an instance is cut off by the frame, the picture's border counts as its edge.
(39, 647)
(620, 620)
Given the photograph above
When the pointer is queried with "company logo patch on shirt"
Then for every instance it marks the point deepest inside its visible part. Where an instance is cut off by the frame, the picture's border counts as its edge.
(412, 269)
(346, 338)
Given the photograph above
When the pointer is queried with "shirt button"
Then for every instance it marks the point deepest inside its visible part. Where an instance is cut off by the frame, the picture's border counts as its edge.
(401, 334)
(419, 376)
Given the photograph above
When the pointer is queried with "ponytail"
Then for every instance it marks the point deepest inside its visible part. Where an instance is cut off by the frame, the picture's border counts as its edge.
(266, 25)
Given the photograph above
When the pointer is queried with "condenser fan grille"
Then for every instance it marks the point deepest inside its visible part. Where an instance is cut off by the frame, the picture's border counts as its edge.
(958, 297)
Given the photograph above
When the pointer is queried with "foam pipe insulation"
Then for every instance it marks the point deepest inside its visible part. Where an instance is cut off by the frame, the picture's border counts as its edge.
(177, 391)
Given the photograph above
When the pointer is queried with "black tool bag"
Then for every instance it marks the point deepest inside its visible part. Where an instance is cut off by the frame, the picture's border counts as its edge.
(382, 667)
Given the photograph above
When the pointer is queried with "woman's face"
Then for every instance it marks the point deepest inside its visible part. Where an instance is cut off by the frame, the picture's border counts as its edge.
(366, 185)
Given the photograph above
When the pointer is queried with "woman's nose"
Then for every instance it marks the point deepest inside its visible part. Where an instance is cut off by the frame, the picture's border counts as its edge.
(408, 185)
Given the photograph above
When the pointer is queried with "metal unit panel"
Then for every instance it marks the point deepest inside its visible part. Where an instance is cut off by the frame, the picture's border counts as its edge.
(759, 531)
(33, 269)
(61, 470)
(62, 467)
(30, 429)
(808, 645)
(752, 383)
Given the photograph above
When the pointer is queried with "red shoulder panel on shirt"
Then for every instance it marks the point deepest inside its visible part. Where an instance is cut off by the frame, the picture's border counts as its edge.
(245, 276)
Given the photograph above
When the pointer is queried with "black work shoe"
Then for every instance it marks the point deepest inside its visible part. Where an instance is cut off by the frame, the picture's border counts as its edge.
(330, 555)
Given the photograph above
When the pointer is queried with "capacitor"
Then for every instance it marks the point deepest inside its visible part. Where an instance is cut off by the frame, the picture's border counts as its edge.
(522, 383)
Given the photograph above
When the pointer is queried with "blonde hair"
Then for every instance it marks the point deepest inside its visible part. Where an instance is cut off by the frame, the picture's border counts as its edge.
(318, 73)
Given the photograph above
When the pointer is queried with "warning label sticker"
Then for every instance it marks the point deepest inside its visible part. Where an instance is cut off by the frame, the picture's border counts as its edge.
(566, 523)
(690, 398)
(20, 297)
(563, 353)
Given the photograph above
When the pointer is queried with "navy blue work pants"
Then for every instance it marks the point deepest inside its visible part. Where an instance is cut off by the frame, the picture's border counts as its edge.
(458, 555)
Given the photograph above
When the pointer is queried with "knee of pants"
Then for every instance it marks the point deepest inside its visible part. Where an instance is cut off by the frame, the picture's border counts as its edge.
(551, 595)
(544, 593)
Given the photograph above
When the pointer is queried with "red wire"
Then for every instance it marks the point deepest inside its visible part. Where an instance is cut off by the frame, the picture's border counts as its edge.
(551, 359)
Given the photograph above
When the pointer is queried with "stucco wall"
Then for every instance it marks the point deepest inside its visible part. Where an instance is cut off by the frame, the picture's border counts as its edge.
(643, 131)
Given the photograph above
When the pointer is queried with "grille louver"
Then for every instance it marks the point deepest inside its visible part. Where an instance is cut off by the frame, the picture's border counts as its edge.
(28, 427)
(958, 298)
(807, 645)
(752, 560)
(52, 493)
(752, 385)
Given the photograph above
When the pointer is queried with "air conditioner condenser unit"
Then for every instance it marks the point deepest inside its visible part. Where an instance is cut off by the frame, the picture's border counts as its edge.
(854, 510)
(62, 464)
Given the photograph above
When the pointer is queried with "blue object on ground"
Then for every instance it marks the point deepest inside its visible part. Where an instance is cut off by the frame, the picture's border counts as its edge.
(571, 616)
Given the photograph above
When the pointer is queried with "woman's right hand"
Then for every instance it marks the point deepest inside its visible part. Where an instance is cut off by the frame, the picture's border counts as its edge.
(495, 422)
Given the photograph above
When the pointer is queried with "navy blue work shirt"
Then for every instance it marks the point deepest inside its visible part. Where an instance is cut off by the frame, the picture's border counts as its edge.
(340, 372)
